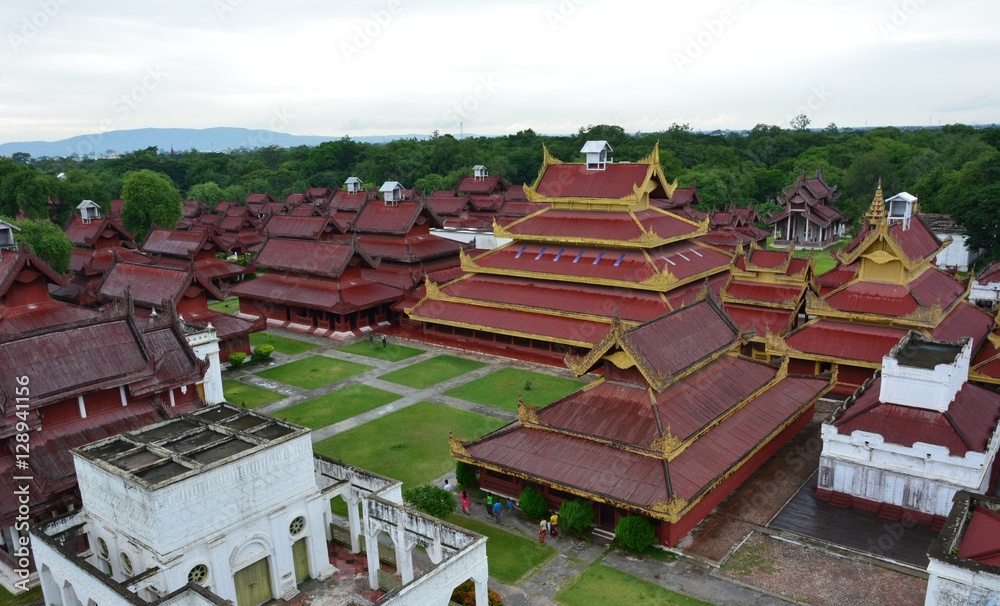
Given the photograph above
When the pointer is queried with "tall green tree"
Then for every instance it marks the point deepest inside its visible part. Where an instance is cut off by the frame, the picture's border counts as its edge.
(46, 240)
(150, 197)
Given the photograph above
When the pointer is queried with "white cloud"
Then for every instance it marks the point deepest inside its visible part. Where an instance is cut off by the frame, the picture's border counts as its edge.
(556, 64)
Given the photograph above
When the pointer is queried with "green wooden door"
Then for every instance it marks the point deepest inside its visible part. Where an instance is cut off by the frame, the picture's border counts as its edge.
(301, 557)
(253, 584)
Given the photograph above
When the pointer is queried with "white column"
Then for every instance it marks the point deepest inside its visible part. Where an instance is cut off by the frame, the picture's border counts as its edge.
(788, 234)
(371, 547)
(404, 556)
(353, 523)
(121, 392)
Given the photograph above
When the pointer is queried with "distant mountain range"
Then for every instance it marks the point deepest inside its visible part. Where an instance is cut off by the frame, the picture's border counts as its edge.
(179, 139)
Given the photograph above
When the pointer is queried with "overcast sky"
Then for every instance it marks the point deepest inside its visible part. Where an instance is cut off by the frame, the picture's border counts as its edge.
(72, 67)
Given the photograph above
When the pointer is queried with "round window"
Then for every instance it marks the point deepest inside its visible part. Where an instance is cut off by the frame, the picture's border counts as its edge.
(102, 548)
(198, 574)
(297, 526)
(126, 564)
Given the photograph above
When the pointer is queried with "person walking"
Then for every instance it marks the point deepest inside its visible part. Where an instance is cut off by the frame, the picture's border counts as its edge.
(554, 524)
(497, 509)
(383, 341)
(447, 486)
(541, 531)
(371, 339)
(465, 502)
(489, 505)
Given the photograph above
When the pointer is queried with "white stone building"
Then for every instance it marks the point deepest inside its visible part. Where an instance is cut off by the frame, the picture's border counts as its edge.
(964, 567)
(227, 504)
(912, 437)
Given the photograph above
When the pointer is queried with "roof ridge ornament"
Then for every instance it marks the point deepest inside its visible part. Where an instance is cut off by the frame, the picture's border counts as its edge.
(876, 212)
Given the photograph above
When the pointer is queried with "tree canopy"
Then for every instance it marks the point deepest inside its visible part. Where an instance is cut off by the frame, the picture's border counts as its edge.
(45, 240)
(150, 197)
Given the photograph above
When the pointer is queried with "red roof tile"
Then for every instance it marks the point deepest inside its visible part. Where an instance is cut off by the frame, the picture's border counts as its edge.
(558, 223)
(305, 228)
(151, 286)
(981, 541)
(934, 287)
(964, 321)
(548, 327)
(874, 298)
(636, 305)
(344, 296)
(917, 241)
(844, 340)
(761, 320)
(575, 181)
(626, 265)
(305, 256)
(989, 275)
(174, 243)
(770, 293)
(378, 217)
(409, 249)
(967, 425)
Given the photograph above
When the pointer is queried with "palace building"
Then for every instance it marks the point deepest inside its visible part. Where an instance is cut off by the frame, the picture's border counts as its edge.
(678, 421)
(884, 285)
(600, 247)
(809, 219)
(913, 436)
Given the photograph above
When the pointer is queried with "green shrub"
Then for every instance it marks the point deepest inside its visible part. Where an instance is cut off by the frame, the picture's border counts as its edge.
(576, 515)
(532, 504)
(236, 359)
(465, 594)
(431, 500)
(466, 475)
(635, 533)
(263, 352)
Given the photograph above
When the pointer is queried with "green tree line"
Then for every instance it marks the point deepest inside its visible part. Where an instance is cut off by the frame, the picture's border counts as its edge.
(950, 168)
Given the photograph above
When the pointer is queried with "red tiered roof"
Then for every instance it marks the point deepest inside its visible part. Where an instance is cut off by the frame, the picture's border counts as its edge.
(575, 181)
(845, 340)
(636, 305)
(761, 320)
(597, 225)
(303, 256)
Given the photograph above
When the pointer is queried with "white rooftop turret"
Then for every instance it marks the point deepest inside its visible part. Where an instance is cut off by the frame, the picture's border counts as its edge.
(925, 373)
(353, 185)
(901, 207)
(392, 192)
(89, 210)
(597, 154)
(479, 172)
(7, 235)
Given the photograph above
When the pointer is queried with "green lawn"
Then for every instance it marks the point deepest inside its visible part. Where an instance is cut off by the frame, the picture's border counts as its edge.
(337, 406)
(409, 445)
(393, 352)
(237, 392)
(281, 344)
(608, 586)
(511, 555)
(431, 372)
(501, 388)
(229, 306)
(32, 596)
(313, 372)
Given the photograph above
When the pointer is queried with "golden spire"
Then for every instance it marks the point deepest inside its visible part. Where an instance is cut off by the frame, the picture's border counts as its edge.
(876, 212)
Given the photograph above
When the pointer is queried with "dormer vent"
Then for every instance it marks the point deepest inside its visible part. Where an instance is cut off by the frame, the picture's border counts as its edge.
(392, 193)
(479, 172)
(7, 235)
(353, 185)
(88, 210)
(597, 154)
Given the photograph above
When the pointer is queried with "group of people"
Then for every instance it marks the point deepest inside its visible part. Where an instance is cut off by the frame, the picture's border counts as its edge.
(371, 339)
(494, 508)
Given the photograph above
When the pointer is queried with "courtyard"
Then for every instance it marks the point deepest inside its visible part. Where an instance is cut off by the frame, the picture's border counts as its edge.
(391, 409)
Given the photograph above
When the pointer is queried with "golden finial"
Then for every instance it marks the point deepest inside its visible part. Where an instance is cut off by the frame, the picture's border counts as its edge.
(876, 212)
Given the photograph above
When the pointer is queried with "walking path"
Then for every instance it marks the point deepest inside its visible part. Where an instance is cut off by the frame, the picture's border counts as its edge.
(732, 557)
